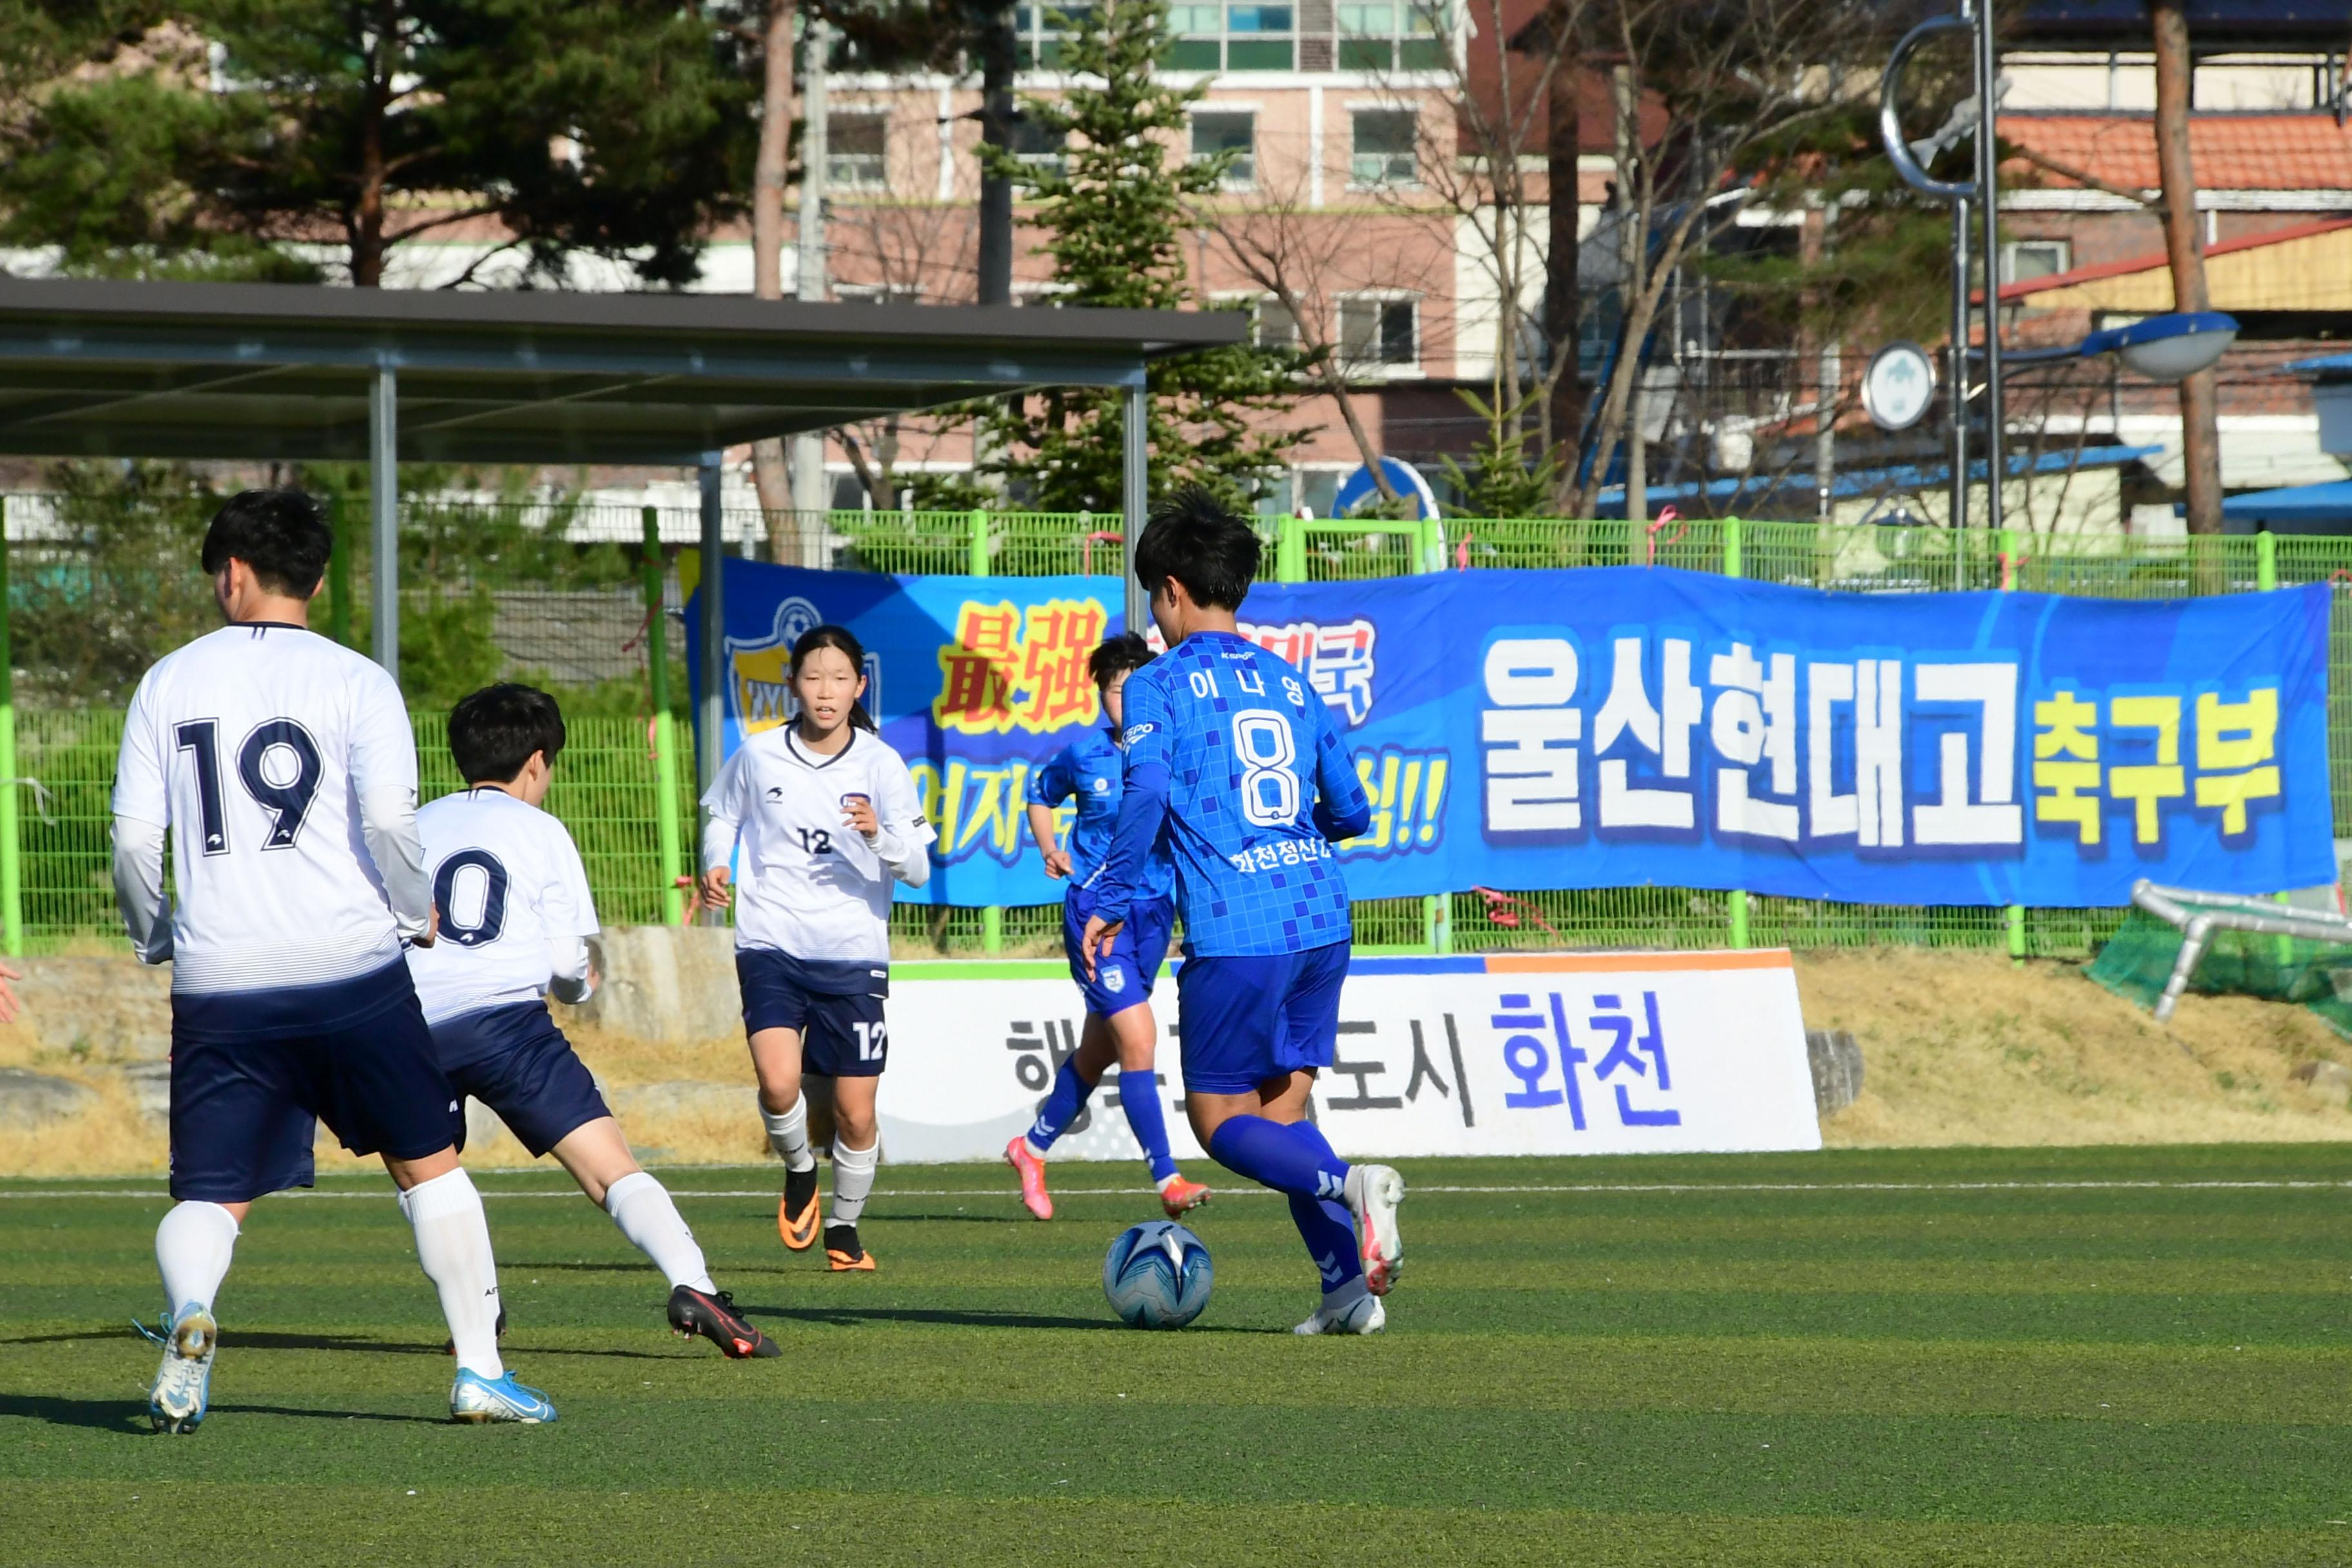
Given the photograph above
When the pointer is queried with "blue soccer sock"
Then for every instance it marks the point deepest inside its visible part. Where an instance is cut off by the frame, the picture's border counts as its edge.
(1063, 1102)
(1329, 1232)
(1278, 1156)
(1148, 1121)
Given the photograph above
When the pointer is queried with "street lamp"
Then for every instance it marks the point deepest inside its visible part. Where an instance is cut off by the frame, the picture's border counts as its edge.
(2167, 348)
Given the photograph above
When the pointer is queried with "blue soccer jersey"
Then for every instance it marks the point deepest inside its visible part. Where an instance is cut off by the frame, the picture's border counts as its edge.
(1228, 746)
(1091, 771)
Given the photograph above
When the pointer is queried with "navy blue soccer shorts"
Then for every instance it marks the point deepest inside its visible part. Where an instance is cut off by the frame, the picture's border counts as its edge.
(836, 1006)
(254, 1072)
(1124, 977)
(1248, 1018)
(516, 1061)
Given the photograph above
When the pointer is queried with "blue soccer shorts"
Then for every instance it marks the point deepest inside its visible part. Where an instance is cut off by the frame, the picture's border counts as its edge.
(836, 1007)
(1123, 978)
(1250, 1018)
(254, 1072)
(516, 1061)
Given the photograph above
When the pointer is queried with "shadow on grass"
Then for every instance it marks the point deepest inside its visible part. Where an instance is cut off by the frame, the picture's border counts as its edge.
(968, 1318)
(234, 1339)
(127, 1417)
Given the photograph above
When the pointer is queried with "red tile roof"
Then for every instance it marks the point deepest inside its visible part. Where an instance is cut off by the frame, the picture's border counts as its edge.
(2230, 151)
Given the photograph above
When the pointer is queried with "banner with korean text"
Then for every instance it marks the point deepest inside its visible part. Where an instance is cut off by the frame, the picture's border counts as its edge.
(1629, 726)
(1541, 1054)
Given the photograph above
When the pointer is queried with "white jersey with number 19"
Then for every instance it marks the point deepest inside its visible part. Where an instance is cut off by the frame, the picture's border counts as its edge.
(275, 757)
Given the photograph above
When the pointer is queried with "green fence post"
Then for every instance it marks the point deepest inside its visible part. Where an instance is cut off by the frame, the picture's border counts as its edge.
(12, 868)
(991, 931)
(1737, 902)
(338, 575)
(2015, 913)
(1289, 549)
(1436, 909)
(976, 558)
(673, 859)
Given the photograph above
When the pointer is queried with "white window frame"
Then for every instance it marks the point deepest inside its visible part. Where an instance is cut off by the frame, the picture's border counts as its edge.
(1356, 179)
(833, 161)
(1242, 176)
(1393, 370)
(2011, 247)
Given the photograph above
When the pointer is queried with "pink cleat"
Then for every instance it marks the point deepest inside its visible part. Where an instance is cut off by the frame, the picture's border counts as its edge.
(1180, 1197)
(1031, 1172)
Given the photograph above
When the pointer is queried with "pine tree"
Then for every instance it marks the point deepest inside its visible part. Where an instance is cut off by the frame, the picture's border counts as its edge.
(1114, 207)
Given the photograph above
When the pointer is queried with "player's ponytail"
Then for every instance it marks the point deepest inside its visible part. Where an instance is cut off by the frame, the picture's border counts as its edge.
(846, 640)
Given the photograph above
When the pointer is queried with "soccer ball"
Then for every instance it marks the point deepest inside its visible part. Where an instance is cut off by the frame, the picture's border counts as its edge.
(1157, 1275)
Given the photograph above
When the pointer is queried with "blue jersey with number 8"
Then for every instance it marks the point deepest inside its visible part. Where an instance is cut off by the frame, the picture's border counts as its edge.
(1257, 787)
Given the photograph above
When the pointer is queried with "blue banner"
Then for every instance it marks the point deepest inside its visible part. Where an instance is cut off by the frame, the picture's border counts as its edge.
(1630, 726)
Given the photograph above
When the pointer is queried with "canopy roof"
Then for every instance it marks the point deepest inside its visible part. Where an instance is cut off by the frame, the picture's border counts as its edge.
(2297, 509)
(264, 370)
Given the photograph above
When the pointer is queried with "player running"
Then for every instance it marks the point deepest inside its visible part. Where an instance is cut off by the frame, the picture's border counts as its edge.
(825, 819)
(515, 917)
(282, 767)
(1220, 738)
(1117, 989)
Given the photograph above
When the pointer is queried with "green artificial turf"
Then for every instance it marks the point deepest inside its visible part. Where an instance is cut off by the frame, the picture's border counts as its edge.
(2090, 1356)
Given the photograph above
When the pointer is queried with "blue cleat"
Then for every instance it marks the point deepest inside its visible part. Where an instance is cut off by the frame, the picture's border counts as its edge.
(475, 1398)
(176, 1404)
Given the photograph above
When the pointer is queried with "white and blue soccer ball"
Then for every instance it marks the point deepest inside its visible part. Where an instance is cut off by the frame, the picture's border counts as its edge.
(1157, 1275)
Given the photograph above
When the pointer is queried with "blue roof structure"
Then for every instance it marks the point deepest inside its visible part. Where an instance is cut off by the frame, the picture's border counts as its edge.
(1869, 481)
(2297, 509)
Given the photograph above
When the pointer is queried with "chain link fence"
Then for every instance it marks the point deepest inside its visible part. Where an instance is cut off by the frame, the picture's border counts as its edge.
(556, 593)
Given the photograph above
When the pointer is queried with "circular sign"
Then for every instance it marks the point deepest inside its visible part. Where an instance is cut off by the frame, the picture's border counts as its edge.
(1899, 386)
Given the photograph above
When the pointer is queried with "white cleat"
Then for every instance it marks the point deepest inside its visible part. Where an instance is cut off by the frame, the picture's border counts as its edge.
(475, 1398)
(1364, 1315)
(1372, 1194)
(176, 1401)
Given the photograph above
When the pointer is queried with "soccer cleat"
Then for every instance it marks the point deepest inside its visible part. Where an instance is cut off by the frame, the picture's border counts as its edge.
(796, 1212)
(841, 1251)
(1364, 1315)
(1031, 1172)
(449, 1347)
(176, 1401)
(1373, 1193)
(475, 1398)
(1180, 1197)
(714, 1317)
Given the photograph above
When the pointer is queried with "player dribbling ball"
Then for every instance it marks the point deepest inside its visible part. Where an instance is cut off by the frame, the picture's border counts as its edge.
(820, 818)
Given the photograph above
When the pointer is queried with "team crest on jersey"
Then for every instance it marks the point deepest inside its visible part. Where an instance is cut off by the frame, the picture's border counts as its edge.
(1113, 980)
(761, 672)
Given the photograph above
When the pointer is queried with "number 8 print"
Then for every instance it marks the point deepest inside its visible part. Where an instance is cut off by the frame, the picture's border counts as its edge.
(1262, 740)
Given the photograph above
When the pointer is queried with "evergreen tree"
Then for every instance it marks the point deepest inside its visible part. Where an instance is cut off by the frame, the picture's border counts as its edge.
(1114, 207)
(1504, 479)
(613, 126)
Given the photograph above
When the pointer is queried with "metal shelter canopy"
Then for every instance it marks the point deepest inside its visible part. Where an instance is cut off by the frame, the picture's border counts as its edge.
(252, 370)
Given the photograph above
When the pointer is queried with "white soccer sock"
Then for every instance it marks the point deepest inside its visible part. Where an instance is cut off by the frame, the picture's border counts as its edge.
(641, 1206)
(453, 1243)
(788, 1134)
(853, 1180)
(191, 1251)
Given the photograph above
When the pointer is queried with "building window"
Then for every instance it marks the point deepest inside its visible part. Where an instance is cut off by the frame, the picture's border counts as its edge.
(1221, 131)
(854, 144)
(1232, 36)
(2023, 261)
(877, 294)
(1035, 143)
(1377, 331)
(1385, 152)
(1272, 325)
(1038, 31)
(1390, 35)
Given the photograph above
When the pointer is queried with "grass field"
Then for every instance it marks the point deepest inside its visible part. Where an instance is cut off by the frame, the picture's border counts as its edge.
(2088, 1356)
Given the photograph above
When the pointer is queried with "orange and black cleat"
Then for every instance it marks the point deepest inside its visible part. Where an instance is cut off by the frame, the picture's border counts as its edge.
(1180, 1197)
(714, 1317)
(797, 1215)
(841, 1251)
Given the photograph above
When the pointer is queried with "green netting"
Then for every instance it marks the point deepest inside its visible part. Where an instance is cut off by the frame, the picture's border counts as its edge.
(2137, 960)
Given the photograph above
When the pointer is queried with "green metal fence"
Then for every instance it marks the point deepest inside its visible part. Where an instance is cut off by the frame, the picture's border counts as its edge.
(633, 818)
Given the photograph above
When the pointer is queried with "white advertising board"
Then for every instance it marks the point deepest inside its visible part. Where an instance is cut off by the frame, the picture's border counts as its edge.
(1517, 1054)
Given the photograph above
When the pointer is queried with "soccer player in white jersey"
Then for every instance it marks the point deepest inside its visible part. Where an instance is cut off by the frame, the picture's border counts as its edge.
(515, 917)
(825, 819)
(282, 769)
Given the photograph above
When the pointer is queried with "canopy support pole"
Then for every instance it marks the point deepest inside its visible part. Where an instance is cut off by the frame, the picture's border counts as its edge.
(1135, 495)
(384, 513)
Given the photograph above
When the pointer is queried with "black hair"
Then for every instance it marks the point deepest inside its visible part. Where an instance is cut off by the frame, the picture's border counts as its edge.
(1202, 543)
(843, 638)
(1118, 655)
(493, 732)
(281, 534)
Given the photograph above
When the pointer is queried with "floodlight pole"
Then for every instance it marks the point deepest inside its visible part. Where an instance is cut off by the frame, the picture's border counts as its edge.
(384, 513)
(1135, 495)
